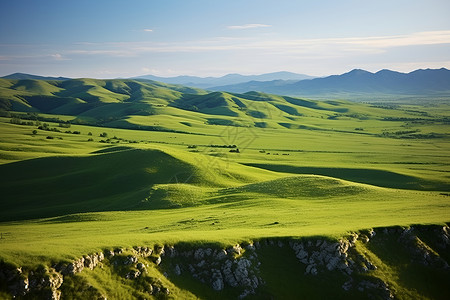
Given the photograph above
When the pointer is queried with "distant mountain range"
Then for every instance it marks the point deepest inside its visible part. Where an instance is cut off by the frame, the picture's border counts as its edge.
(354, 84)
(230, 79)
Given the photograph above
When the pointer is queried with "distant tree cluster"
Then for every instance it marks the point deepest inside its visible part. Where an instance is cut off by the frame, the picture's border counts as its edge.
(32, 116)
(223, 146)
(46, 127)
(19, 121)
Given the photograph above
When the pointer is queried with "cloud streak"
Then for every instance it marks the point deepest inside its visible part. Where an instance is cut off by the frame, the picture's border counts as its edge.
(57, 56)
(243, 49)
(148, 30)
(248, 26)
(374, 44)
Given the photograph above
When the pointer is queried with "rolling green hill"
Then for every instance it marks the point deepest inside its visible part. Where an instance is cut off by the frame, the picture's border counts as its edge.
(88, 165)
(121, 178)
(33, 95)
(121, 103)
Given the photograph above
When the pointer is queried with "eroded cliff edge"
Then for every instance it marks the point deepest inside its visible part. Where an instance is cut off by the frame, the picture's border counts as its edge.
(379, 263)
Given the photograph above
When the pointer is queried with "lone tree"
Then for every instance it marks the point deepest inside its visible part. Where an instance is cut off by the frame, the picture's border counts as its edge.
(104, 134)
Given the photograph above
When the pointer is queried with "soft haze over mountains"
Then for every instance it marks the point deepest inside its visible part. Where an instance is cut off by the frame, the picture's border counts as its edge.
(355, 85)
(207, 82)
(433, 82)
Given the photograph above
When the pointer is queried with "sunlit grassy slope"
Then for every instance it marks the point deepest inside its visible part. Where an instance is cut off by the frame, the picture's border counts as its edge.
(162, 171)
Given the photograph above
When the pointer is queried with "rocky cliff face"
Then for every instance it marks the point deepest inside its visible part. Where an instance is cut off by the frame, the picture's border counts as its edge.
(353, 260)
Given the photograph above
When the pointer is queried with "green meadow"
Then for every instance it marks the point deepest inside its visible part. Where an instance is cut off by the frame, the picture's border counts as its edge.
(89, 164)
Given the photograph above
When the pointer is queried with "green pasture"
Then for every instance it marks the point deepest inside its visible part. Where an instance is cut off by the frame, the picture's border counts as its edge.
(125, 162)
(230, 218)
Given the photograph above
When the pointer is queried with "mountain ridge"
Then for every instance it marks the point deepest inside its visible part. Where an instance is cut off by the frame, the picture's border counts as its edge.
(233, 78)
(355, 85)
(429, 82)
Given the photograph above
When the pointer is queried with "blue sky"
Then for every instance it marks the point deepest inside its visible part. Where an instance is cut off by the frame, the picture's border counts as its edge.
(109, 39)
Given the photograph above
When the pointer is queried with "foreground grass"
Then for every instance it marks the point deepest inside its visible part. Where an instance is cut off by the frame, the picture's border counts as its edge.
(71, 236)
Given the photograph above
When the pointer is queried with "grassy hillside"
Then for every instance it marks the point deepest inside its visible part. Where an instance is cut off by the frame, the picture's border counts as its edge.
(87, 165)
(118, 178)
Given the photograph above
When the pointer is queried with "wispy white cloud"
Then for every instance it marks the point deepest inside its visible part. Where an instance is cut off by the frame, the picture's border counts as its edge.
(244, 48)
(148, 30)
(337, 46)
(418, 38)
(248, 26)
(107, 50)
(57, 56)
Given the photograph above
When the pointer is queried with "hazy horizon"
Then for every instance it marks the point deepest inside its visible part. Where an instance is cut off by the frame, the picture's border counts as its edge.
(223, 75)
(113, 39)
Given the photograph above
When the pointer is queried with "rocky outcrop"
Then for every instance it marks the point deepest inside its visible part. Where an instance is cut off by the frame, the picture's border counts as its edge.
(42, 281)
(88, 261)
(233, 267)
(238, 267)
(322, 255)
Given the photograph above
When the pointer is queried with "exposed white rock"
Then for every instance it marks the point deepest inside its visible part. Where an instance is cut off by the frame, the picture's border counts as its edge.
(236, 249)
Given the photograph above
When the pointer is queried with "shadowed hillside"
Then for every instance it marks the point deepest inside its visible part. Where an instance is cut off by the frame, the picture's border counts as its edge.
(369, 176)
(118, 178)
